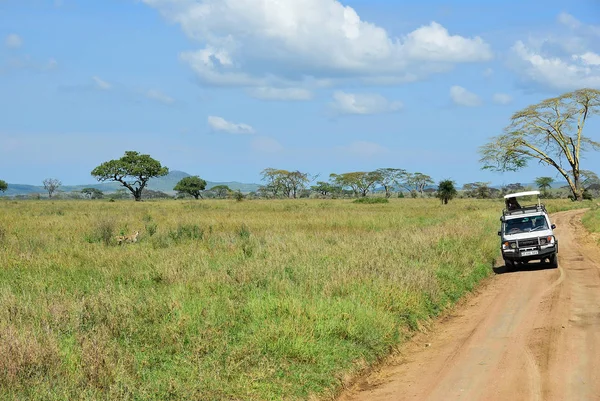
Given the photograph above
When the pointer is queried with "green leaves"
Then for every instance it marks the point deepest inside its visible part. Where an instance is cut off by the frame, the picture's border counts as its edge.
(137, 166)
(192, 185)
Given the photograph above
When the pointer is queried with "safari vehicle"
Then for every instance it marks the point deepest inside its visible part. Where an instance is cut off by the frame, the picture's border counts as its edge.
(526, 232)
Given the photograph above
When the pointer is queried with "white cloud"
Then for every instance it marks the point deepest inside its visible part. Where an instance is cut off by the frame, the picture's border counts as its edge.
(220, 124)
(13, 41)
(566, 61)
(266, 145)
(463, 97)
(266, 43)
(578, 71)
(488, 72)
(351, 103)
(159, 96)
(363, 149)
(502, 98)
(101, 84)
(588, 58)
(270, 93)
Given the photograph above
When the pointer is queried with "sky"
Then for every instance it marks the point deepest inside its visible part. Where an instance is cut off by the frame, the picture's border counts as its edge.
(226, 88)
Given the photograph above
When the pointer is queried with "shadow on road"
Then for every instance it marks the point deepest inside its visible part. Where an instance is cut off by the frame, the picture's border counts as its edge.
(523, 267)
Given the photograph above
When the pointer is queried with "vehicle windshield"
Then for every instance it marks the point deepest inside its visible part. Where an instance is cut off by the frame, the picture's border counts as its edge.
(526, 224)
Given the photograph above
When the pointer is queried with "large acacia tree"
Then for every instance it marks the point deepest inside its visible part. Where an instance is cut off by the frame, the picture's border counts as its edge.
(286, 183)
(192, 185)
(361, 182)
(3, 186)
(550, 132)
(133, 171)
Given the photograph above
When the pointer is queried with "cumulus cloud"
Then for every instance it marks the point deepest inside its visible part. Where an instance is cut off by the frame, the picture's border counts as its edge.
(101, 84)
(270, 93)
(159, 96)
(281, 43)
(222, 125)
(363, 149)
(502, 98)
(463, 97)
(566, 62)
(560, 73)
(351, 103)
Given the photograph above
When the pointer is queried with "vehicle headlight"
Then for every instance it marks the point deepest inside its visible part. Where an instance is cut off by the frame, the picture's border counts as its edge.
(509, 245)
(513, 245)
(547, 240)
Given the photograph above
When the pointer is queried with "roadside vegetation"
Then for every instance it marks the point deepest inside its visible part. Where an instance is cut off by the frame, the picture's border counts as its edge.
(591, 220)
(221, 300)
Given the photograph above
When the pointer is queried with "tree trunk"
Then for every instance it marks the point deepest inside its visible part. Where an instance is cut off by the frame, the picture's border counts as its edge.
(577, 192)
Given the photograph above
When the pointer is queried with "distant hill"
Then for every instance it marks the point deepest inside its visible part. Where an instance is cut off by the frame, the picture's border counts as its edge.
(164, 184)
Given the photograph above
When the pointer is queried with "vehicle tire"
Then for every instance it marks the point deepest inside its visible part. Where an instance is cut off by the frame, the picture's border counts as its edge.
(553, 261)
(509, 264)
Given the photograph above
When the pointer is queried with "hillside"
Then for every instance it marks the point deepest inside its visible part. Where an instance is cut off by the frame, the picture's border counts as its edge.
(164, 184)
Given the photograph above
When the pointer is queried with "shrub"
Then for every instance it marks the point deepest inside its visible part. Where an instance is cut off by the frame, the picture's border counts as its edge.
(371, 200)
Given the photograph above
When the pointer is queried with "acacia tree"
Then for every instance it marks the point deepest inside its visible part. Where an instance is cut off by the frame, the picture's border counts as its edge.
(51, 185)
(139, 168)
(221, 190)
(3, 186)
(287, 183)
(480, 190)
(446, 191)
(325, 188)
(360, 182)
(192, 185)
(92, 193)
(389, 178)
(550, 132)
(415, 181)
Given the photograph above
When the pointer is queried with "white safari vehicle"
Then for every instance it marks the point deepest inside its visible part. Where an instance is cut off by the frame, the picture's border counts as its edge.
(526, 232)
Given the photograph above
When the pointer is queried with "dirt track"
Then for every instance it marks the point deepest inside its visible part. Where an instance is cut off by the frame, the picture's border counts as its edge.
(531, 334)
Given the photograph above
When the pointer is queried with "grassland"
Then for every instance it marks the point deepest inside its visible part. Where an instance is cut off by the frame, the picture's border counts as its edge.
(222, 300)
(591, 220)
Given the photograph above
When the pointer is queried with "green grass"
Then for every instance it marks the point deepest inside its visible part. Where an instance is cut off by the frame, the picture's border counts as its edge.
(370, 201)
(222, 300)
(591, 219)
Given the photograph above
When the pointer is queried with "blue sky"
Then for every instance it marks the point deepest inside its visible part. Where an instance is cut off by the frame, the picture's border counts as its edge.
(226, 88)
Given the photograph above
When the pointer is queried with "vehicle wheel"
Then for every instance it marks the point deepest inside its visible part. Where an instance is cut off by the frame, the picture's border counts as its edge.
(509, 264)
(553, 261)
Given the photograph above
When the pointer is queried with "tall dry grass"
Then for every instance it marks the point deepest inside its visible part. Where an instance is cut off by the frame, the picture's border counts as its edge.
(222, 300)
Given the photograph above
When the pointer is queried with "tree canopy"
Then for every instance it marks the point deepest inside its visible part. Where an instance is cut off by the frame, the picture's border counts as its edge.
(92, 193)
(283, 182)
(550, 132)
(3, 186)
(192, 185)
(133, 171)
(51, 185)
(446, 191)
(361, 182)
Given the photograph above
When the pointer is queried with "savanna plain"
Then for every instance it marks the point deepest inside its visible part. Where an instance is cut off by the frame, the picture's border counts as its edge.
(226, 300)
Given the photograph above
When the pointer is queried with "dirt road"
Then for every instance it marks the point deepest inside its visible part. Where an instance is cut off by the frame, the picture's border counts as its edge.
(531, 334)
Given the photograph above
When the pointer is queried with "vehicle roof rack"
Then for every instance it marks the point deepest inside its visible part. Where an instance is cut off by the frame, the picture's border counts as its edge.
(525, 209)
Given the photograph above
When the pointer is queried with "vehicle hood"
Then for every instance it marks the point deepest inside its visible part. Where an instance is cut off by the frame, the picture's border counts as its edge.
(532, 234)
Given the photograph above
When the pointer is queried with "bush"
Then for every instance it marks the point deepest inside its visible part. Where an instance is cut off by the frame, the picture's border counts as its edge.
(371, 200)
(103, 232)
